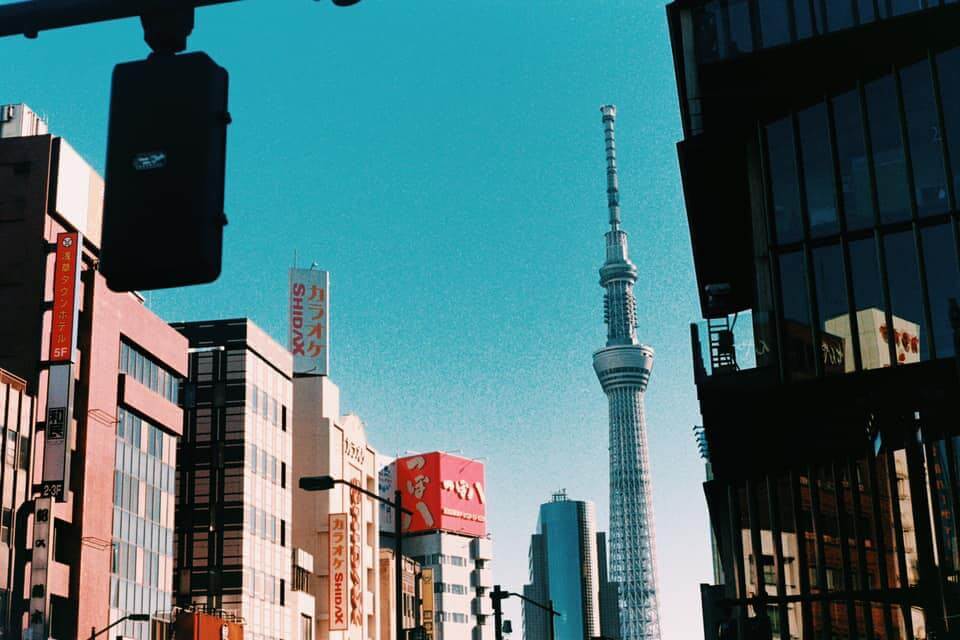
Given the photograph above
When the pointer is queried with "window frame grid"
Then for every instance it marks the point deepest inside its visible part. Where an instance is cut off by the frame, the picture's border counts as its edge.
(847, 575)
(773, 505)
(879, 231)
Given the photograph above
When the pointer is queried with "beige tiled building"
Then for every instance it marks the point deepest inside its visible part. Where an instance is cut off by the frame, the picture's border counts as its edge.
(326, 443)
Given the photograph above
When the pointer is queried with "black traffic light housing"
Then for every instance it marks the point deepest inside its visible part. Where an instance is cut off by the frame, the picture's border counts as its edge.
(163, 213)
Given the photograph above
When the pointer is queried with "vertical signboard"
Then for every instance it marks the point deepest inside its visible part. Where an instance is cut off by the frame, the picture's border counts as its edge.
(63, 340)
(310, 321)
(356, 568)
(63, 326)
(338, 554)
(426, 598)
(39, 615)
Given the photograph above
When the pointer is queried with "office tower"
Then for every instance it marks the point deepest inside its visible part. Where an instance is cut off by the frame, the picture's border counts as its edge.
(105, 373)
(234, 489)
(609, 593)
(623, 368)
(565, 572)
(819, 165)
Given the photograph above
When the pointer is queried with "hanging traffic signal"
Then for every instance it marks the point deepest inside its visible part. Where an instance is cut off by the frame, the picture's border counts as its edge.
(163, 213)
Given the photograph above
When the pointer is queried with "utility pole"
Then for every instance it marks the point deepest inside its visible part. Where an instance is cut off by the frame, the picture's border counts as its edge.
(550, 615)
(398, 559)
(498, 596)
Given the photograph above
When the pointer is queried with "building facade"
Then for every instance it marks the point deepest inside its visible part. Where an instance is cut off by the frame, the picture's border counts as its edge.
(447, 535)
(16, 427)
(105, 528)
(623, 368)
(410, 607)
(819, 166)
(462, 581)
(233, 481)
(609, 592)
(568, 568)
(340, 520)
(566, 539)
(303, 606)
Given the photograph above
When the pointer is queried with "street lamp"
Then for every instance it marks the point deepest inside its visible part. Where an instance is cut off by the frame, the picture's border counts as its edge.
(133, 617)
(498, 596)
(326, 483)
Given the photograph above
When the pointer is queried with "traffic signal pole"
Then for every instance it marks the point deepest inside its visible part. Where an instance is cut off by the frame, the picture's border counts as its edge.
(30, 17)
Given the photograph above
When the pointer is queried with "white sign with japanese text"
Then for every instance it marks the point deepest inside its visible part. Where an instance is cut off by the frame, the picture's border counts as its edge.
(310, 321)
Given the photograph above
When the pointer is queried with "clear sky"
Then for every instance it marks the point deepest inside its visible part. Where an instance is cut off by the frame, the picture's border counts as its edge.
(445, 162)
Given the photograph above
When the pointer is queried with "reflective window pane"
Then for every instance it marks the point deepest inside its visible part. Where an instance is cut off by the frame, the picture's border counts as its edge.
(818, 170)
(839, 14)
(774, 25)
(834, 320)
(819, 19)
(854, 174)
(868, 301)
(909, 327)
(865, 7)
(948, 70)
(783, 180)
(943, 282)
(741, 35)
(923, 132)
(901, 7)
(803, 15)
(888, 156)
(798, 337)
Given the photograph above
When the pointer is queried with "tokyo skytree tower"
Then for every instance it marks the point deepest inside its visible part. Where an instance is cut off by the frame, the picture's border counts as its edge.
(623, 367)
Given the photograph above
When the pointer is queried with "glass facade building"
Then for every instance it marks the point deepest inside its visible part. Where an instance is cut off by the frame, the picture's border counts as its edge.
(141, 565)
(233, 485)
(821, 166)
(565, 556)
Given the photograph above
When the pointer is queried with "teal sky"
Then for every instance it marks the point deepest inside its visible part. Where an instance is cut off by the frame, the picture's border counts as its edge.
(444, 161)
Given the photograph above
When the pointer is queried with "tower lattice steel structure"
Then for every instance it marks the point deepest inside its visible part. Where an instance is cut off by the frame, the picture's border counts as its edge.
(623, 367)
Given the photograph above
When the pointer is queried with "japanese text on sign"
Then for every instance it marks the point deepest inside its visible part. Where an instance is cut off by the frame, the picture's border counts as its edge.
(339, 551)
(65, 275)
(309, 321)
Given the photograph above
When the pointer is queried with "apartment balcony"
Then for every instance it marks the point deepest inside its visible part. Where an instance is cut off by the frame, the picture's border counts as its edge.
(481, 549)
(481, 578)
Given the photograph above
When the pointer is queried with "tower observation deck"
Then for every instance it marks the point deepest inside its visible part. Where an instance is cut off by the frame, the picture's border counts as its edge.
(623, 368)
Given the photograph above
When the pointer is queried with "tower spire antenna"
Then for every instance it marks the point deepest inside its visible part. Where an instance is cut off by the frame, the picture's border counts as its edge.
(623, 369)
(609, 112)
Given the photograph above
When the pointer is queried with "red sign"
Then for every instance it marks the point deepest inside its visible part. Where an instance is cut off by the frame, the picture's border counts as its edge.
(66, 273)
(445, 492)
(338, 547)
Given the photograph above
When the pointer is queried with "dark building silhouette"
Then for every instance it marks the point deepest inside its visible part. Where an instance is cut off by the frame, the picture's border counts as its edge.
(821, 170)
(609, 592)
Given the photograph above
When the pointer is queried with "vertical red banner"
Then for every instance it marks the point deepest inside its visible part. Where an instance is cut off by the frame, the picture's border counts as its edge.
(339, 552)
(66, 273)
